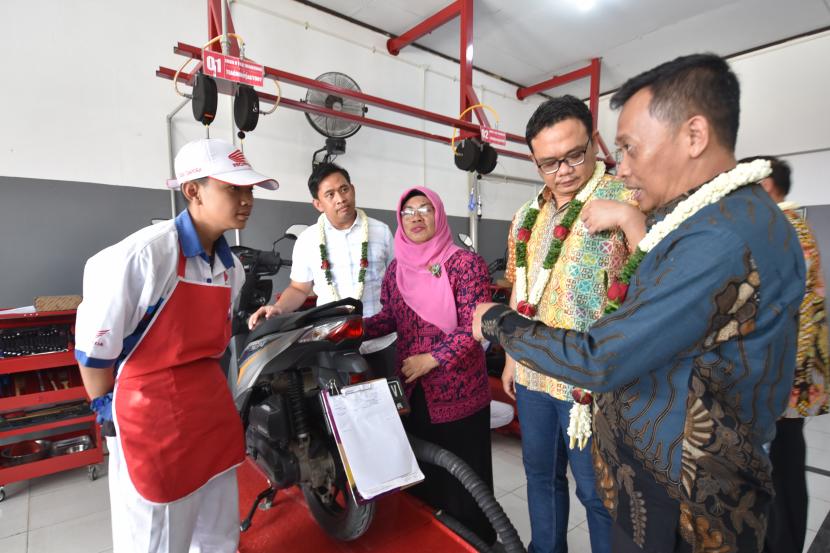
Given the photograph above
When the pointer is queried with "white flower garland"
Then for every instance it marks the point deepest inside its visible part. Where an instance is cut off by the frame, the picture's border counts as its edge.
(710, 193)
(364, 227)
(579, 425)
(543, 276)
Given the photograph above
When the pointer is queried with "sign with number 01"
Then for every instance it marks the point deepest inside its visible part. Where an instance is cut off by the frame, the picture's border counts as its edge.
(493, 136)
(232, 69)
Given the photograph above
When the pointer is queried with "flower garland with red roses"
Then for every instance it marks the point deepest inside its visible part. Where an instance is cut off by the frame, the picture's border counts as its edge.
(528, 301)
(325, 264)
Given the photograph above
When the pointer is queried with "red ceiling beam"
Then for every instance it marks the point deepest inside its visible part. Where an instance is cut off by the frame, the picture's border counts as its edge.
(464, 10)
(396, 44)
(559, 80)
(592, 71)
(167, 73)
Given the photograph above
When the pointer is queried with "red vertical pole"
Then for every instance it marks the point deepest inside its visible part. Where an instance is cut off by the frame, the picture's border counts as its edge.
(466, 55)
(214, 9)
(593, 102)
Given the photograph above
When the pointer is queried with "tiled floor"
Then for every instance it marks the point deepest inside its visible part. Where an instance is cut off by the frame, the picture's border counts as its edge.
(67, 513)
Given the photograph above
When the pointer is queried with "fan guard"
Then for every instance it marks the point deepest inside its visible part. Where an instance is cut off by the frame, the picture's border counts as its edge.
(334, 127)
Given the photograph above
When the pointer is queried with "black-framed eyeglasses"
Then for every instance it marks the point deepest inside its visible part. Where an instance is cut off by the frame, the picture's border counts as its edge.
(409, 212)
(573, 159)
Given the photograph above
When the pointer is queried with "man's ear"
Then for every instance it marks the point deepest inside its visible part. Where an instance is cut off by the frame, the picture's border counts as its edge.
(190, 190)
(318, 205)
(698, 135)
(769, 186)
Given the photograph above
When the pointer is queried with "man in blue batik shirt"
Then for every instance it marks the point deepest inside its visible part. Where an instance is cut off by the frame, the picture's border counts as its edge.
(695, 366)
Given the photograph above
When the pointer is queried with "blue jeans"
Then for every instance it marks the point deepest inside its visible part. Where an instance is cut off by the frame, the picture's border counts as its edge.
(545, 451)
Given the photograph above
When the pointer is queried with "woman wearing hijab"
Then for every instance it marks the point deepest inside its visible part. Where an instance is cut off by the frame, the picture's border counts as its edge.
(428, 296)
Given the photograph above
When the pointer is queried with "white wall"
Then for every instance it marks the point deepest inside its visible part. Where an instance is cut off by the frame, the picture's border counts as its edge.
(784, 109)
(81, 102)
(91, 108)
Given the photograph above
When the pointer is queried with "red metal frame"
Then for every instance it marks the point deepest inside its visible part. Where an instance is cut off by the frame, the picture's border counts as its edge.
(468, 97)
(592, 71)
(396, 44)
(215, 27)
(167, 73)
(283, 76)
(459, 8)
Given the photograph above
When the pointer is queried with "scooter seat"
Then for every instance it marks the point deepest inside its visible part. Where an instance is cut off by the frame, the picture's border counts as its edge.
(299, 319)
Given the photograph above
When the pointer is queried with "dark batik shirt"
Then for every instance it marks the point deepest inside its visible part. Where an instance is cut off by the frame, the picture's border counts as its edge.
(692, 370)
(458, 386)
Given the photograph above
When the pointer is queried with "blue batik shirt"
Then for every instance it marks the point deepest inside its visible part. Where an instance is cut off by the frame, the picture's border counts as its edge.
(691, 373)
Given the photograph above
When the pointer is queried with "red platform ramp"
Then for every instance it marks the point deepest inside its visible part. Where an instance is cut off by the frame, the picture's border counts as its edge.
(402, 524)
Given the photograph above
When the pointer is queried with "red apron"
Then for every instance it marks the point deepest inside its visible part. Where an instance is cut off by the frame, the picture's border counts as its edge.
(175, 418)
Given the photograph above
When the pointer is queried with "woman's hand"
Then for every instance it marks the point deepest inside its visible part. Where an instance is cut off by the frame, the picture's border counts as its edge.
(417, 366)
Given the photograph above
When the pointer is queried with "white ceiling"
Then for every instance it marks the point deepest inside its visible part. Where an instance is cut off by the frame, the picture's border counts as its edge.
(529, 41)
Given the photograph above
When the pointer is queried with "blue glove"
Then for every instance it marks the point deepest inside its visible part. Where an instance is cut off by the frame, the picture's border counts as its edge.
(102, 405)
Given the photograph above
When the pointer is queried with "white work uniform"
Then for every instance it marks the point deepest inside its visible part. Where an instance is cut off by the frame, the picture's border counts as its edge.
(344, 251)
(124, 285)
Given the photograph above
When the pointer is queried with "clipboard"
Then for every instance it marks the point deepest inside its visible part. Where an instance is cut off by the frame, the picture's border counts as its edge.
(364, 421)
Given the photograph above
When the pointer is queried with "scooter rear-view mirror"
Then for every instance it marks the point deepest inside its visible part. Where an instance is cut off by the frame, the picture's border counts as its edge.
(294, 231)
(465, 239)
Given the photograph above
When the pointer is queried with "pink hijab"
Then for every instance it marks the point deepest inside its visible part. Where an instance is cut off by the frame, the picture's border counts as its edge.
(431, 297)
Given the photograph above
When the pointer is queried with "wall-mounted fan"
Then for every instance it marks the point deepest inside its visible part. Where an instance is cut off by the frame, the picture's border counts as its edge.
(335, 129)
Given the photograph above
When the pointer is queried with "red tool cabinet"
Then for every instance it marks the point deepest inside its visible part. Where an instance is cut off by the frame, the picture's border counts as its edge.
(43, 383)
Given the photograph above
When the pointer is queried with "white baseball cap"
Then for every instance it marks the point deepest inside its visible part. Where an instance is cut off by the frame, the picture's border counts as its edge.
(213, 157)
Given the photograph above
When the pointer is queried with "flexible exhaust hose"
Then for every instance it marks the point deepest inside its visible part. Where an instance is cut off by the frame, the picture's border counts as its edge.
(461, 471)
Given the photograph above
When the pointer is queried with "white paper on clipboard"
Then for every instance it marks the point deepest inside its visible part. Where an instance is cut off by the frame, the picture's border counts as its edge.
(371, 437)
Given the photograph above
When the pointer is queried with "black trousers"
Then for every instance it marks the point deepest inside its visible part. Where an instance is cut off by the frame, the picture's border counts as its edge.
(469, 438)
(787, 526)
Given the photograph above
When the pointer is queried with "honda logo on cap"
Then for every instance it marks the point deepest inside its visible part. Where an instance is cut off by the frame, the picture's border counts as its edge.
(238, 158)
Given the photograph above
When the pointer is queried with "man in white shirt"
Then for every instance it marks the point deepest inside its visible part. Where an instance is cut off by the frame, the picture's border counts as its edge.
(344, 254)
(154, 321)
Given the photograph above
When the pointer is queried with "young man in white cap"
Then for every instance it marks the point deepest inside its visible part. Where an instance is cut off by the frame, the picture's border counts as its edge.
(155, 318)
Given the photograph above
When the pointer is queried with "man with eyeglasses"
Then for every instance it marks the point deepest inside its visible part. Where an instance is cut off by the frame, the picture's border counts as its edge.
(345, 254)
(567, 290)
